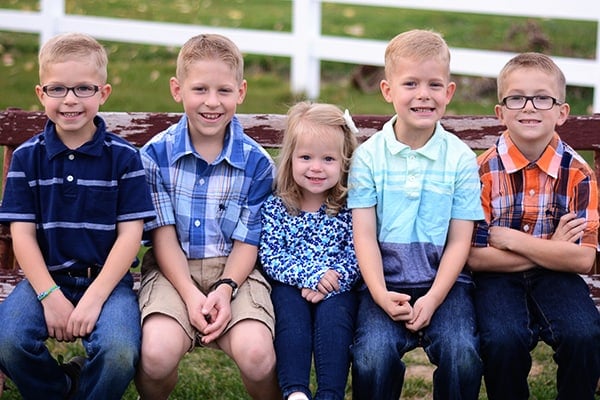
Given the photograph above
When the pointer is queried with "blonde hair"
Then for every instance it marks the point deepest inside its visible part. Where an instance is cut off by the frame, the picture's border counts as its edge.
(416, 44)
(313, 121)
(210, 47)
(537, 61)
(73, 47)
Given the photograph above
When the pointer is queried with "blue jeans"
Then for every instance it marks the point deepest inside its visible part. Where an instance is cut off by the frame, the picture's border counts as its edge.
(450, 342)
(514, 310)
(112, 348)
(301, 328)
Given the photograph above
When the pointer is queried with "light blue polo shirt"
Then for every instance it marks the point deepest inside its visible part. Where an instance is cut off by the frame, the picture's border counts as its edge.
(416, 193)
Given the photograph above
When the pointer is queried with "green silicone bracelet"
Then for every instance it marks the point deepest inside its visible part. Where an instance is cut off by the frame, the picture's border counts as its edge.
(45, 294)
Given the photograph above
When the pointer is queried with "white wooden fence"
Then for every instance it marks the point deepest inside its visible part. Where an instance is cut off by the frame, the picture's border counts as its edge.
(306, 46)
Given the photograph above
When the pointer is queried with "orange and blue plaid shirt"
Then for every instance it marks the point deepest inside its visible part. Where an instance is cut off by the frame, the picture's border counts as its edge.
(532, 196)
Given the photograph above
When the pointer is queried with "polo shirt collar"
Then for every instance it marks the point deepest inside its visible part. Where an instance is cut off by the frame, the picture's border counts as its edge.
(233, 143)
(513, 160)
(429, 150)
(93, 148)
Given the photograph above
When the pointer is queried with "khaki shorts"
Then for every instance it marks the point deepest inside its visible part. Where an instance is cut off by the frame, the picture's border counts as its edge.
(158, 295)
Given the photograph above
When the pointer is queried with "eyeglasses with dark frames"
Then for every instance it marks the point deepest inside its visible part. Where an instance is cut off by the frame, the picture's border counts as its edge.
(540, 102)
(82, 91)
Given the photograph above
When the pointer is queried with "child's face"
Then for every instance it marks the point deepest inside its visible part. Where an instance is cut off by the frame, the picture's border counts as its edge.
(530, 127)
(72, 115)
(210, 94)
(419, 91)
(317, 165)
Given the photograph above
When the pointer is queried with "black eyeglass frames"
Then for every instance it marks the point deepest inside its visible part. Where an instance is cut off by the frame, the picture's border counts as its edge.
(79, 91)
(540, 102)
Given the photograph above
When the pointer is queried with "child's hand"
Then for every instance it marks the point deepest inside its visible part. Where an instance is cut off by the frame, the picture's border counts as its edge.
(329, 282)
(423, 310)
(397, 306)
(84, 317)
(57, 310)
(217, 312)
(313, 296)
(501, 237)
(194, 306)
(570, 228)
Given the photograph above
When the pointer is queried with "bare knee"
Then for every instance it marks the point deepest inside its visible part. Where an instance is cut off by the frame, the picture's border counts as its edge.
(250, 345)
(257, 362)
(163, 346)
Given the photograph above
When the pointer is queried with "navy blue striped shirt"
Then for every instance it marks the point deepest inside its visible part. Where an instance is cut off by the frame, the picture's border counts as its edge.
(76, 197)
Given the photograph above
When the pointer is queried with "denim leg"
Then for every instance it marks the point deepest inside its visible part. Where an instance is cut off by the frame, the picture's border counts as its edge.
(333, 334)
(506, 334)
(113, 346)
(570, 324)
(293, 338)
(452, 345)
(379, 344)
(24, 357)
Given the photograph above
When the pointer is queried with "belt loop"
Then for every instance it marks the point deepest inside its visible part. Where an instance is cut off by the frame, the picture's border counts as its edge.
(89, 272)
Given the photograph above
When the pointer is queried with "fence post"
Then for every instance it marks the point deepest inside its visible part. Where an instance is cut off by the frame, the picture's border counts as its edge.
(305, 73)
(52, 12)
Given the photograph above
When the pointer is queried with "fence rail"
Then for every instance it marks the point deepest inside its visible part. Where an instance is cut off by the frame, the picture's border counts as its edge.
(306, 46)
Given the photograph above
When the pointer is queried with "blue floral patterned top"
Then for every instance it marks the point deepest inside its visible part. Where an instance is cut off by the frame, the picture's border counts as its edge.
(298, 249)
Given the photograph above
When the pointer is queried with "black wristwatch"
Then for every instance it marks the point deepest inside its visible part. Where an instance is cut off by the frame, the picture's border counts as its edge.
(226, 281)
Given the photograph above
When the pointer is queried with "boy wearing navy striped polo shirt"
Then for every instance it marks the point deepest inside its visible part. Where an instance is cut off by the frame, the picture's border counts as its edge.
(76, 200)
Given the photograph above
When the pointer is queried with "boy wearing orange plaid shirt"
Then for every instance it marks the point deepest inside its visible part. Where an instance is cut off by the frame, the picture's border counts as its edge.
(541, 230)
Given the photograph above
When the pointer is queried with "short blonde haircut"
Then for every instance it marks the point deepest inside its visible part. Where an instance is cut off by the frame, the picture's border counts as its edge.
(73, 47)
(537, 61)
(210, 47)
(318, 122)
(416, 44)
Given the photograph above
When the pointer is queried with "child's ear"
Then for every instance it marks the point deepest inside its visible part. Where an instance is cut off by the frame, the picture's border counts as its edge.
(385, 88)
(39, 92)
(105, 92)
(499, 112)
(450, 89)
(175, 88)
(564, 109)
(242, 90)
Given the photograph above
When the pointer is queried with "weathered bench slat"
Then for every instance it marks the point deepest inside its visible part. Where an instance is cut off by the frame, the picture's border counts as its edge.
(479, 132)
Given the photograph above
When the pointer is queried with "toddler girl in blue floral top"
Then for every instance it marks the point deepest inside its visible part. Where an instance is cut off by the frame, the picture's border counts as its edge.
(306, 249)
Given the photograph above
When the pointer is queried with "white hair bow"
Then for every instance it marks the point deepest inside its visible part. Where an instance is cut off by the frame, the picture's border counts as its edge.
(349, 122)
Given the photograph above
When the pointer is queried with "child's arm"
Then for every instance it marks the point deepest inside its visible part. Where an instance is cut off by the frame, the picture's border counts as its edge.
(56, 306)
(364, 223)
(173, 264)
(452, 262)
(83, 319)
(510, 250)
(556, 255)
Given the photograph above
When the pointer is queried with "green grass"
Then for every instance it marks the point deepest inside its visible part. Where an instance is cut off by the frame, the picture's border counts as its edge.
(139, 75)
(209, 374)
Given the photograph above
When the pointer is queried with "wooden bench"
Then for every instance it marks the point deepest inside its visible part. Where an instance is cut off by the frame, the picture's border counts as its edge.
(479, 132)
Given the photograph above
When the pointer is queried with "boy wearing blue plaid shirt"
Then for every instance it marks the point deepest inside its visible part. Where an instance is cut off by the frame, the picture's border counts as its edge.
(208, 181)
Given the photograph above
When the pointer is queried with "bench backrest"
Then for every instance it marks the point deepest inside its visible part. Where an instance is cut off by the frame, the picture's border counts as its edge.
(479, 132)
